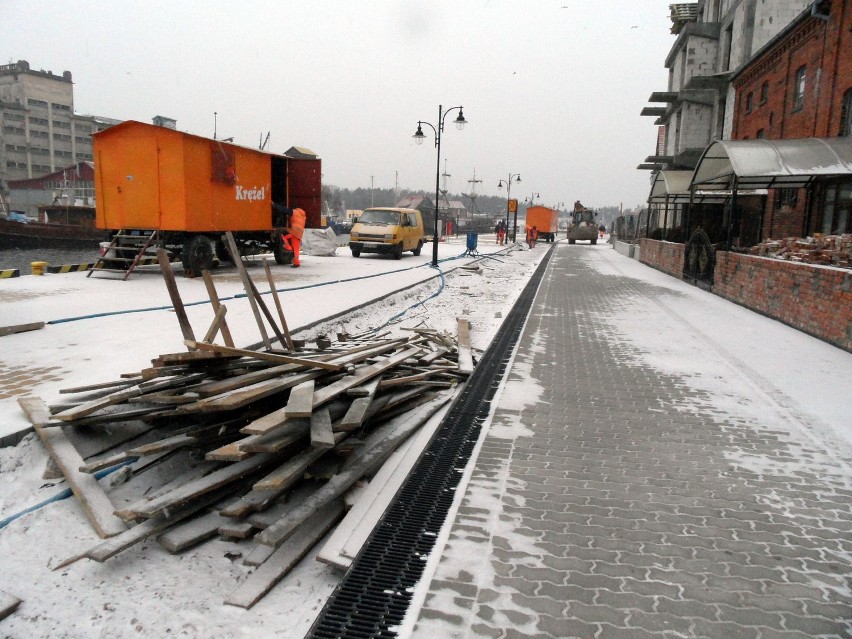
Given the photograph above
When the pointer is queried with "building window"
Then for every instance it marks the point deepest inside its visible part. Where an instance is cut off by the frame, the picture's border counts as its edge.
(14, 116)
(787, 197)
(61, 125)
(764, 92)
(761, 134)
(36, 103)
(799, 95)
(60, 107)
(749, 104)
(846, 115)
(837, 209)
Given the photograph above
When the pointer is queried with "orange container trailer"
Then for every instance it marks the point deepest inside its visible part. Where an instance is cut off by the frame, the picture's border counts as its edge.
(545, 219)
(191, 190)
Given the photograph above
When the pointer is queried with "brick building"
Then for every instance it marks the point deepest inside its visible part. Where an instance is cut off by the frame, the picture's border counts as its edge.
(799, 85)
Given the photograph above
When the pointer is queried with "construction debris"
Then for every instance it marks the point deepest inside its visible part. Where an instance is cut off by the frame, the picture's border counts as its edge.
(829, 250)
(272, 441)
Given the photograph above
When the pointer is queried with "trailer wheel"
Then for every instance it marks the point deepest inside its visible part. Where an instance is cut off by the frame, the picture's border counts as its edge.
(571, 241)
(197, 254)
(594, 240)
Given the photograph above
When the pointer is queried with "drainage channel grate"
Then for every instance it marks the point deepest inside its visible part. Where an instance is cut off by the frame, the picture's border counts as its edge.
(376, 591)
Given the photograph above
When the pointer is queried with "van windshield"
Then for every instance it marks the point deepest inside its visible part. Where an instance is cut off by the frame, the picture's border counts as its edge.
(379, 217)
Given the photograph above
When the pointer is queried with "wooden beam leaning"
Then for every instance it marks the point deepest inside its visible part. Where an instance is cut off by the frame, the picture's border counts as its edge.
(215, 325)
(95, 502)
(214, 301)
(174, 294)
(241, 269)
(278, 305)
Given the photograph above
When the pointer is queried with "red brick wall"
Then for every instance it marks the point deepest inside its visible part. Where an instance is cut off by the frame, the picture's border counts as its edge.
(664, 256)
(813, 299)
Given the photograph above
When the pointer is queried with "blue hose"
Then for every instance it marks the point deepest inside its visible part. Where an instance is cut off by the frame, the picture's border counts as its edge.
(240, 295)
(65, 494)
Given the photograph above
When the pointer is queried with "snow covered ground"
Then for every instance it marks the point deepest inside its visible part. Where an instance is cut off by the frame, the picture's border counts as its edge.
(145, 591)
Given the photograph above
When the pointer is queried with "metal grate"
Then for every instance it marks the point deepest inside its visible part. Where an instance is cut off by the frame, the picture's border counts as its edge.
(376, 591)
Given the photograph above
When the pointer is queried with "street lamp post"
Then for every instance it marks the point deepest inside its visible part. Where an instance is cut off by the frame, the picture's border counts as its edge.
(418, 138)
(508, 184)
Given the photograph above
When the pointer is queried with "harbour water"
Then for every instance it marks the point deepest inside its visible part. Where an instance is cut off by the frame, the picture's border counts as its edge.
(23, 258)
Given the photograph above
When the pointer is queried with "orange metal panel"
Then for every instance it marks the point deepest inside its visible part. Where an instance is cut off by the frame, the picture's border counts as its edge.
(150, 177)
(545, 219)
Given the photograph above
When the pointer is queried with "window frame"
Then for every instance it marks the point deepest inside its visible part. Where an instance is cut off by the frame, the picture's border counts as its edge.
(799, 88)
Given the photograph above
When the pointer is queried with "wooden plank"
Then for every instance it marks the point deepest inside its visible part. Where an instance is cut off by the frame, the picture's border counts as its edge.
(380, 444)
(191, 533)
(96, 387)
(301, 401)
(201, 486)
(262, 580)
(87, 408)
(243, 396)
(8, 603)
(259, 555)
(278, 307)
(20, 328)
(174, 294)
(247, 285)
(269, 357)
(291, 433)
(214, 301)
(242, 530)
(111, 547)
(321, 433)
(95, 502)
(209, 389)
(361, 376)
(464, 352)
(230, 452)
(357, 413)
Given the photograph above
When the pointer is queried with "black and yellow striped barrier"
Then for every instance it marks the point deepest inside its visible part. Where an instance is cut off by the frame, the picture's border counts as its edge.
(69, 268)
(9, 272)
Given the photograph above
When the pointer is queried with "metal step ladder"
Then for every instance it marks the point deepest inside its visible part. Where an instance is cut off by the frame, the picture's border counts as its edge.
(126, 251)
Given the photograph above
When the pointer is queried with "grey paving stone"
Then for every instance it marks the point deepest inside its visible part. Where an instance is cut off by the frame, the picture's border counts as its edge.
(629, 514)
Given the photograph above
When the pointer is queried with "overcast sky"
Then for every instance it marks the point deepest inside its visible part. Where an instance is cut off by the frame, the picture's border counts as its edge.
(552, 89)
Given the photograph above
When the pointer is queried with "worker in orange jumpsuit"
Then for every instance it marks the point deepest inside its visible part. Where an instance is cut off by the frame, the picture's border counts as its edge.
(293, 239)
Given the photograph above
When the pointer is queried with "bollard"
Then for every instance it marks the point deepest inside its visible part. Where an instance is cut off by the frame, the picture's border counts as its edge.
(38, 267)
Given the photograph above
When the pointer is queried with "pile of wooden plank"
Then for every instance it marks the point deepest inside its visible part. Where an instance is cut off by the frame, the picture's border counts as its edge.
(830, 250)
(281, 438)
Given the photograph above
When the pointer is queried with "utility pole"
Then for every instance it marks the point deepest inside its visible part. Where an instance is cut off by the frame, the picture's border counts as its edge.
(371, 192)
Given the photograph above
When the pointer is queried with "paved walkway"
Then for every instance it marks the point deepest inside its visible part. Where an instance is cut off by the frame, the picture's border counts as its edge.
(652, 470)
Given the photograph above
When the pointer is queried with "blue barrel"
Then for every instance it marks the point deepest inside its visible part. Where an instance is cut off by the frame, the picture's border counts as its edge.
(472, 239)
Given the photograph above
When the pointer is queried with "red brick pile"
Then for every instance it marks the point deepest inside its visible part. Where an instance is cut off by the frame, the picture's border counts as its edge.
(830, 250)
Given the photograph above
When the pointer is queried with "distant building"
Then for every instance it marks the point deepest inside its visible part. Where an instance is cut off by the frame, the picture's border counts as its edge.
(39, 131)
(71, 186)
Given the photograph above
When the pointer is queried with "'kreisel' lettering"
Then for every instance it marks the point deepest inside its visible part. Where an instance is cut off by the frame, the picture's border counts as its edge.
(253, 193)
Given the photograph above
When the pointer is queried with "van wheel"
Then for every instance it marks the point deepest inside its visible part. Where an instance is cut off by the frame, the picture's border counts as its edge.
(397, 251)
(419, 248)
(356, 253)
(571, 241)
(197, 254)
(594, 240)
